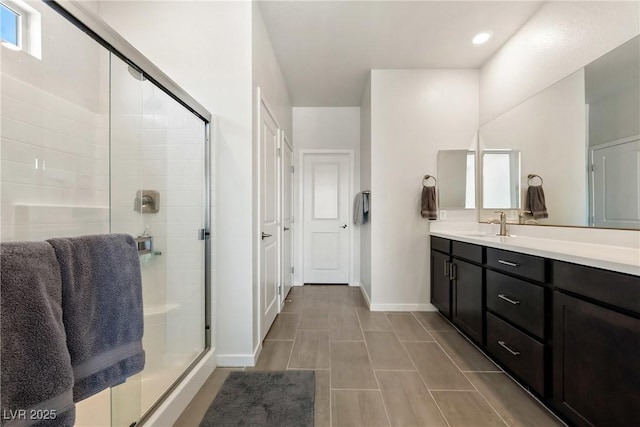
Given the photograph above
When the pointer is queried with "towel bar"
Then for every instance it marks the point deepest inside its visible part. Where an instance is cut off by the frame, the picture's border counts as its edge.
(426, 178)
(533, 176)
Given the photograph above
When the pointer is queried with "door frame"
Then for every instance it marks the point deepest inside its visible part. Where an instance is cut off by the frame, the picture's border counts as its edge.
(300, 241)
(258, 214)
(591, 172)
(284, 140)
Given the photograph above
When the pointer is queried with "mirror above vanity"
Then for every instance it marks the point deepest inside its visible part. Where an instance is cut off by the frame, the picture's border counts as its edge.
(457, 179)
(582, 137)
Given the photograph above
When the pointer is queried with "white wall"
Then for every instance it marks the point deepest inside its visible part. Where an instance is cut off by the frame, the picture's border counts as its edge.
(326, 128)
(365, 183)
(206, 48)
(266, 75)
(414, 113)
(558, 40)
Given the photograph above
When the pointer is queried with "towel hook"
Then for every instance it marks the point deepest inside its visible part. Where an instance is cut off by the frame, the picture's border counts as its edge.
(426, 178)
(532, 176)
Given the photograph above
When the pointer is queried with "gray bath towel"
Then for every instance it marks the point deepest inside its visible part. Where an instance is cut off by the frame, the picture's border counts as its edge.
(535, 202)
(102, 309)
(361, 208)
(429, 205)
(36, 368)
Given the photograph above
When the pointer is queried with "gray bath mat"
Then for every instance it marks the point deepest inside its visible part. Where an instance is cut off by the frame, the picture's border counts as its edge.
(264, 399)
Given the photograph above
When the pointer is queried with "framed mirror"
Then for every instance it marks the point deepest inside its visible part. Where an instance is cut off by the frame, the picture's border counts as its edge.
(457, 179)
(582, 137)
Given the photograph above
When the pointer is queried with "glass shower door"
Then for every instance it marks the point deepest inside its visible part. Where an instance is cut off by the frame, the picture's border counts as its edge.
(157, 195)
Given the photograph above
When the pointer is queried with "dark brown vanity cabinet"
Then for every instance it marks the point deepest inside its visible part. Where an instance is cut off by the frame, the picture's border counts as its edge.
(456, 284)
(569, 333)
(467, 310)
(516, 314)
(440, 282)
(596, 347)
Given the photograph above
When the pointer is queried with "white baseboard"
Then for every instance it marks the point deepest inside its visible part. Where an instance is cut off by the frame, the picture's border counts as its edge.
(236, 360)
(402, 307)
(298, 284)
(355, 284)
(171, 409)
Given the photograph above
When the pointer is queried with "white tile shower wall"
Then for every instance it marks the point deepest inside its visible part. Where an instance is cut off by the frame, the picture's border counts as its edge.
(55, 164)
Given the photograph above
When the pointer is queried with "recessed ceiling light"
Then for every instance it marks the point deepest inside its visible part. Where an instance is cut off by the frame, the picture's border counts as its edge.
(481, 38)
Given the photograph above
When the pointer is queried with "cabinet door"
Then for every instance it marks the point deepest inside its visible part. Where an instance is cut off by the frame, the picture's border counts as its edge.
(596, 364)
(467, 309)
(440, 283)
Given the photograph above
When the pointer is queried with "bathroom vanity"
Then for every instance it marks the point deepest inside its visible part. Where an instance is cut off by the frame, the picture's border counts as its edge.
(564, 323)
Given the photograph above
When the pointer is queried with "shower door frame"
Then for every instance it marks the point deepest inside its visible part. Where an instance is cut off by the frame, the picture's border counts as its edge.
(104, 35)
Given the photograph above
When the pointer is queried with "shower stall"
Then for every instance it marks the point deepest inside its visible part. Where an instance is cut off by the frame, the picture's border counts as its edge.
(96, 139)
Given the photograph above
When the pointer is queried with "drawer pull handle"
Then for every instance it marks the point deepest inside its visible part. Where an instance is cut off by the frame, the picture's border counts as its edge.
(446, 268)
(507, 299)
(504, 345)
(510, 264)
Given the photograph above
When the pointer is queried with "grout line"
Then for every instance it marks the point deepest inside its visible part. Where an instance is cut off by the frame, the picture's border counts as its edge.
(395, 370)
(424, 383)
(469, 381)
(486, 400)
(357, 389)
(375, 376)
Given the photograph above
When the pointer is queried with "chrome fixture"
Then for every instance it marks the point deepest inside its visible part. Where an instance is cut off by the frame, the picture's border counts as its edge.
(502, 221)
(147, 201)
(145, 244)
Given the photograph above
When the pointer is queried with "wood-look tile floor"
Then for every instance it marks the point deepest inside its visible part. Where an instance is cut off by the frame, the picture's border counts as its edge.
(383, 369)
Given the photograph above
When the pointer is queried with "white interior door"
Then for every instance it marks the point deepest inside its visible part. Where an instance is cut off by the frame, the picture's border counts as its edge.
(326, 207)
(616, 185)
(269, 255)
(287, 216)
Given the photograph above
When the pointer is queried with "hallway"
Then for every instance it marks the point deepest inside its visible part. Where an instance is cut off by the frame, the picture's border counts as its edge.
(380, 369)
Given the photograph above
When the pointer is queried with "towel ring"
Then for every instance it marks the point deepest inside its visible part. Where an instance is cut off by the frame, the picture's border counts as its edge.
(426, 178)
(532, 176)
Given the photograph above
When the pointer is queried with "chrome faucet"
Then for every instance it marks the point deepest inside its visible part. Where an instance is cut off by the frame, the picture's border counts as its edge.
(502, 221)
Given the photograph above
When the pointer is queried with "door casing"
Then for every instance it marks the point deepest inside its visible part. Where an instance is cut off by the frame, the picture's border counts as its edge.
(299, 241)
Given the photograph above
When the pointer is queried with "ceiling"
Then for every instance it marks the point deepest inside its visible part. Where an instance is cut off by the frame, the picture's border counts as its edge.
(326, 48)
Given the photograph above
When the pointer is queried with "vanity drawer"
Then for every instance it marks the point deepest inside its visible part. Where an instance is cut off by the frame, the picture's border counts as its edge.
(528, 266)
(440, 244)
(516, 300)
(467, 251)
(520, 353)
(609, 287)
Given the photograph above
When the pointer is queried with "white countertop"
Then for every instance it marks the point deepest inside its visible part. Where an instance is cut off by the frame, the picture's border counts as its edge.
(614, 258)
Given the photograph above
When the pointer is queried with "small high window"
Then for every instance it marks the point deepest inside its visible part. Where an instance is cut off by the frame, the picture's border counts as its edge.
(10, 23)
(20, 27)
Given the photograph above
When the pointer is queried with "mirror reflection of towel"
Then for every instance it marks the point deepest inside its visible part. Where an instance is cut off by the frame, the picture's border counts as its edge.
(429, 204)
(535, 202)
